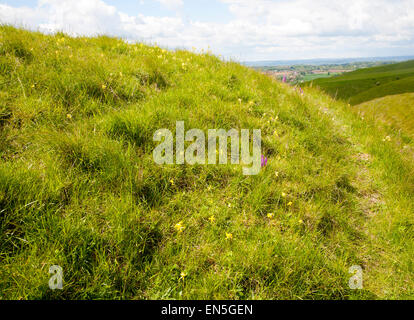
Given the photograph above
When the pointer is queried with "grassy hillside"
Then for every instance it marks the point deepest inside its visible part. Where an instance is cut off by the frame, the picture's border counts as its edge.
(396, 111)
(366, 84)
(391, 88)
(79, 187)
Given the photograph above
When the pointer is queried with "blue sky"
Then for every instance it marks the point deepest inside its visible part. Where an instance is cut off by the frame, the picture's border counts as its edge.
(201, 10)
(238, 29)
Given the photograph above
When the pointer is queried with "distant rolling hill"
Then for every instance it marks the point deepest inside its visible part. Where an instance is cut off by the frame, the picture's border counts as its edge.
(396, 111)
(367, 84)
(318, 62)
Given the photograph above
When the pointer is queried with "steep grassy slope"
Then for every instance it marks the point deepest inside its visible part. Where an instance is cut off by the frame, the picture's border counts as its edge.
(396, 111)
(370, 83)
(79, 187)
(391, 88)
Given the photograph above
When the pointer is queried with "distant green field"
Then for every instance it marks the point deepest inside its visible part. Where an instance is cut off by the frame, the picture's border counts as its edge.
(370, 83)
(395, 111)
(311, 77)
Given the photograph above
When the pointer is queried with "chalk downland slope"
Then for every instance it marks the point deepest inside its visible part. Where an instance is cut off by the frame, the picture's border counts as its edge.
(396, 111)
(79, 187)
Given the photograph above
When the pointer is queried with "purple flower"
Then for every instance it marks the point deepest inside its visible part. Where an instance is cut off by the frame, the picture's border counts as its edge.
(284, 79)
(264, 161)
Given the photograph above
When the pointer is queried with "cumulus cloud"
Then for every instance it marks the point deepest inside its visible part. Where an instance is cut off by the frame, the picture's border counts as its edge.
(260, 29)
(171, 4)
(75, 17)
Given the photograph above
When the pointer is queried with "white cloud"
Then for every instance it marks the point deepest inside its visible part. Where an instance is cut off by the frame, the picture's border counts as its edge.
(171, 4)
(260, 29)
(76, 17)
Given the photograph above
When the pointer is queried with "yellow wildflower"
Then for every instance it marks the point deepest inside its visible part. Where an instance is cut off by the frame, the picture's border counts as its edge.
(103, 87)
(172, 182)
(212, 219)
(270, 215)
(182, 275)
(277, 174)
(290, 204)
(179, 227)
(284, 195)
(229, 236)
(69, 116)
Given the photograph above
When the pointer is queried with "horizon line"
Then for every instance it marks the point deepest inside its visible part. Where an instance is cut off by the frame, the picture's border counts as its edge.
(340, 58)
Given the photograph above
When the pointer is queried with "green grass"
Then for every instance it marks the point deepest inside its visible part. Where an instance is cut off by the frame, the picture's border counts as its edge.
(395, 111)
(367, 84)
(392, 88)
(79, 187)
(311, 77)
